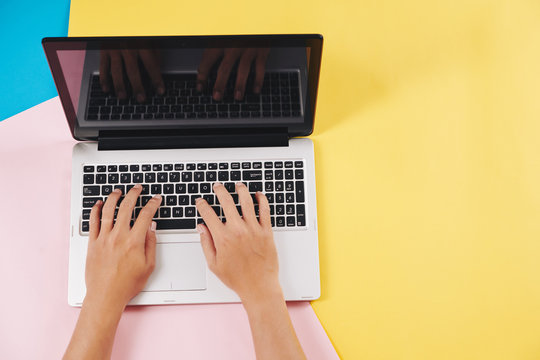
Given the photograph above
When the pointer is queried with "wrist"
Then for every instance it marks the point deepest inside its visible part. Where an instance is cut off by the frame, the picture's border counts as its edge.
(102, 304)
(257, 301)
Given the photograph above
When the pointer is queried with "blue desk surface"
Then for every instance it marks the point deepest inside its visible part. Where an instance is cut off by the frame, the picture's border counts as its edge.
(24, 73)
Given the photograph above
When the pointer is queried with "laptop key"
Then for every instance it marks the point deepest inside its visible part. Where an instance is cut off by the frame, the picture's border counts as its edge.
(113, 178)
(193, 188)
(223, 176)
(86, 214)
(250, 175)
(138, 178)
(177, 212)
(299, 191)
(168, 189)
(164, 212)
(162, 177)
(85, 226)
(198, 176)
(183, 199)
(300, 215)
(255, 186)
(125, 178)
(88, 202)
(88, 179)
(101, 179)
(88, 168)
(206, 188)
(171, 224)
(290, 220)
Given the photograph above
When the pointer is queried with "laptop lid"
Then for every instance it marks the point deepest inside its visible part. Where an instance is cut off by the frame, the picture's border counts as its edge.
(173, 89)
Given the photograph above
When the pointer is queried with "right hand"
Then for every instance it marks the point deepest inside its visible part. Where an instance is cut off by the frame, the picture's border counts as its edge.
(241, 252)
(227, 58)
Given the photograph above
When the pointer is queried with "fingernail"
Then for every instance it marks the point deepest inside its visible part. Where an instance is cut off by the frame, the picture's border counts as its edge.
(198, 200)
(137, 186)
(140, 97)
(200, 229)
(117, 190)
(218, 183)
(257, 89)
(217, 95)
(199, 87)
(99, 202)
(157, 197)
(161, 90)
(153, 226)
(121, 94)
(105, 88)
(240, 184)
(238, 95)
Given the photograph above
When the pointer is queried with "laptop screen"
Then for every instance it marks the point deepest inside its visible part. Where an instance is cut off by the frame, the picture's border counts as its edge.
(162, 83)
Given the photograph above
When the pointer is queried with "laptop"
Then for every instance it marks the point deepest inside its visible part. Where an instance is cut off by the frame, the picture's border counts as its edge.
(176, 114)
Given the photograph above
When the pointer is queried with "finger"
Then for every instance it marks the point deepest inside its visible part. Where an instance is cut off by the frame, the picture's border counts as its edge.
(227, 203)
(209, 215)
(260, 68)
(209, 58)
(95, 216)
(224, 71)
(107, 217)
(134, 74)
(264, 210)
(150, 245)
(248, 212)
(125, 211)
(243, 72)
(144, 219)
(151, 65)
(104, 65)
(117, 73)
(207, 244)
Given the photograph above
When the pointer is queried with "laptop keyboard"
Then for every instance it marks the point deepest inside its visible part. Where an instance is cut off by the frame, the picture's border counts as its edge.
(181, 184)
(279, 97)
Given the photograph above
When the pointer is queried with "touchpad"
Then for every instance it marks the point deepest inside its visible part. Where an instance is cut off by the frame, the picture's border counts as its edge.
(179, 266)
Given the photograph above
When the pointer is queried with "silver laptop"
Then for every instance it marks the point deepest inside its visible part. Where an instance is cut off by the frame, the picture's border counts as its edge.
(177, 114)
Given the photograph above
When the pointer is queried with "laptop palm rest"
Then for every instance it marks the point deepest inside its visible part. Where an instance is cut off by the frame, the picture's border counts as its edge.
(179, 266)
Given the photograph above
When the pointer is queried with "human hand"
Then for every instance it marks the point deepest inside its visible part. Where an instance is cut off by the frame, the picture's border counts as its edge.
(245, 57)
(120, 259)
(241, 252)
(112, 63)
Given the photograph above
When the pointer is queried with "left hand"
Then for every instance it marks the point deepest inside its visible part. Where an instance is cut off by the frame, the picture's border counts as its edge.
(120, 259)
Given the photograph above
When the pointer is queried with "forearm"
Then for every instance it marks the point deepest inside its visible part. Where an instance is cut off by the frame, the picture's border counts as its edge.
(273, 334)
(94, 333)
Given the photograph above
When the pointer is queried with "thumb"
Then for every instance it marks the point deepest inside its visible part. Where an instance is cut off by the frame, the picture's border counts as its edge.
(207, 243)
(150, 245)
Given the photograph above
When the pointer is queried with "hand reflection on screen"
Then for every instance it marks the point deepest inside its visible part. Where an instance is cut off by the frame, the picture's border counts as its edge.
(111, 67)
(227, 58)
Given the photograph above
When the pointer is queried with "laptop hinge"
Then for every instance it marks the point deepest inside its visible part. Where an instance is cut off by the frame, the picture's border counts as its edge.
(194, 138)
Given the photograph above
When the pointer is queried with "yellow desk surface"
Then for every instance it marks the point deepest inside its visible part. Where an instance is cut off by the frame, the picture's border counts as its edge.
(431, 112)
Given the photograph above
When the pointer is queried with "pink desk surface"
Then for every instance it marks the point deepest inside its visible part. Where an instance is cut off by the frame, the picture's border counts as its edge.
(35, 319)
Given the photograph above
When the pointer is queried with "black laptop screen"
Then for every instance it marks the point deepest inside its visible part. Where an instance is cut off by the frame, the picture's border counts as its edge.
(186, 82)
